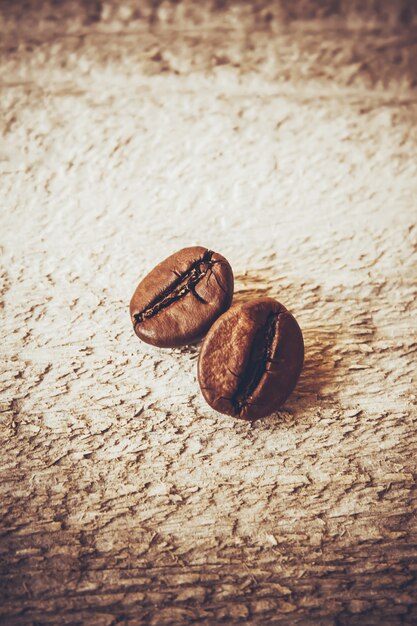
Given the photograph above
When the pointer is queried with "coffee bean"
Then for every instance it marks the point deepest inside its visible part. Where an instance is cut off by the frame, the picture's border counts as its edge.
(251, 359)
(178, 301)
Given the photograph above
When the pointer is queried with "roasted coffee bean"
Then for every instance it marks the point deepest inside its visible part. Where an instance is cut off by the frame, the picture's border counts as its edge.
(178, 301)
(251, 359)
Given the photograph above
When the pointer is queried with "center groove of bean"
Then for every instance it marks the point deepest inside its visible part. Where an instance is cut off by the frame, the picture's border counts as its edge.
(184, 284)
(255, 369)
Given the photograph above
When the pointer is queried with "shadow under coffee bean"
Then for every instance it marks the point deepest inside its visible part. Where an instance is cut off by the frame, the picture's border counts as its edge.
(178, 301)
(251, 359)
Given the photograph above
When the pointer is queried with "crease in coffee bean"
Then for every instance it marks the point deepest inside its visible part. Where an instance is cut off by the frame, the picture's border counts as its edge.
(252, 375)
(215, 277)
(185, 283)
(232, 372)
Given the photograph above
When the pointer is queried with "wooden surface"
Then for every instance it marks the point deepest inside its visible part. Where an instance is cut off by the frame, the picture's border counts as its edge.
(124, 498)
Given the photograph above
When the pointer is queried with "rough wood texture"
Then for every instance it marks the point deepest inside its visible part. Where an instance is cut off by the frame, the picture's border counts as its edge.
(125, 498)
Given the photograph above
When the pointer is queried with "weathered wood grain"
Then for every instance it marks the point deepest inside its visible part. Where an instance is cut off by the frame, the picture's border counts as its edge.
(124, 498)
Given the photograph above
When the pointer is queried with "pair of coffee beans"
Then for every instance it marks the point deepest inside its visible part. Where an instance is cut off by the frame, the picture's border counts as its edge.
(251, 355)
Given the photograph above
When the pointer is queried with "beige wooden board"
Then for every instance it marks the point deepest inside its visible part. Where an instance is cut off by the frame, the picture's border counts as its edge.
(124, 498)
